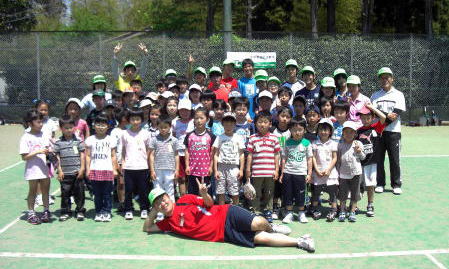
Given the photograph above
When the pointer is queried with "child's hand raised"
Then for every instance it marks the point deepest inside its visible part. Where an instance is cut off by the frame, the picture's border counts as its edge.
(357, 148)
(190, 60)
(143, 48)
(118, 48)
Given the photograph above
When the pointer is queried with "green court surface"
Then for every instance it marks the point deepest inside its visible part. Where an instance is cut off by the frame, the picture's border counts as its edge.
(408, 231)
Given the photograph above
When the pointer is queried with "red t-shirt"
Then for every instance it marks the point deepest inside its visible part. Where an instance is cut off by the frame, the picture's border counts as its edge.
(229, 84)
(377, 126)
(199, 222)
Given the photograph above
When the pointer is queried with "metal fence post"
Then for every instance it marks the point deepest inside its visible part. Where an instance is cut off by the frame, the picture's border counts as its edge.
(290, 47)
(410, 77)
(38, 66)
(352, 54)
(100, 50)
(164, 40)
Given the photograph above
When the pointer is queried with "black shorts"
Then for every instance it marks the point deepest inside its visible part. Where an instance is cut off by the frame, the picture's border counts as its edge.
(238, 227)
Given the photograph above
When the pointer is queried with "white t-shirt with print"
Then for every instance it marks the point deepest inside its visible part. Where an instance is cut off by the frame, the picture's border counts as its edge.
(387, 102)
(100, 152)
(229, 147)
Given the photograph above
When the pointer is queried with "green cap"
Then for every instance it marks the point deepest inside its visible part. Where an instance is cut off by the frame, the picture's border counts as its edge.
(170, 72)
(275, 79)
(384, 70)
(215, 69)
(340, 71)
(328, 82)
(98, 93)
(308, 68)
(228, 61)
(129, 63)
(353, 79)
(261, 75)
(200, 70)
(98, 79)
(155, 193)
(292, 62)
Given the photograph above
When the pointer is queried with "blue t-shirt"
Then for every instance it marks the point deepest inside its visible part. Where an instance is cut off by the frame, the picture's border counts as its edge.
(217, 128)
(248, 89)
(245, 130)
(338, 131)
(311, 96)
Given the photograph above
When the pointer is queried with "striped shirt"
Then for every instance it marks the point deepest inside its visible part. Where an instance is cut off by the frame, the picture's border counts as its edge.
(69, 154)
(263, 149)
(165, 151)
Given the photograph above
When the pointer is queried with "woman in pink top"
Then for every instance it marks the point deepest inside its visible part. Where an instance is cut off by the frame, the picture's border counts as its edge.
(357, 100)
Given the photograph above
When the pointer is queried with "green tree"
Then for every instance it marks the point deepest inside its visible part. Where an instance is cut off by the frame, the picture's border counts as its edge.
(16, 15)
(91, 15)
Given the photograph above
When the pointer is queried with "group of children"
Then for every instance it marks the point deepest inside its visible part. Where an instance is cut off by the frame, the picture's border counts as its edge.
(285, 139)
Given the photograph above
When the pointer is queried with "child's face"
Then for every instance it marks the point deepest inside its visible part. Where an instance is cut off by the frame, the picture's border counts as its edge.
(308, 78)
(73, 110)
(100, 86)
(327, 91)
(367, 119)
(195, 96)
(154, 115)
(184, 114)
(340, 115)
(348, 135)
(127, 98)
(273, 87)
(248, 70)
(99, 102)
(284, 118)
(291, 71)
(263, 125)
(136, 87)
(43, 109)
(199, 78)
(284, 98)
(341, 81)
(215, 79)
(118, 102)
(36, 125)
(172, 107)
(353, 89)
(164, 129)
(207, 103)
(241, 111)
(386, 81)
(162, 101)
(228, 69)
(67, 130)
(129, 71)
(161, 88)
(218, 111)
(146, 111)
(123, 121)
(183, 87)
(110, 111)
(135, 121)
(265, 103)
(312, 118)
(324, 133)
(297, 132)
(299, 108)
(229, 126)
(326, 109)
(101, 128)
(200, 120)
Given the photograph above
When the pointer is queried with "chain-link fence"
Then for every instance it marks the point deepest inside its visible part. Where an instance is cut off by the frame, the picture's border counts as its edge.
(60, 65)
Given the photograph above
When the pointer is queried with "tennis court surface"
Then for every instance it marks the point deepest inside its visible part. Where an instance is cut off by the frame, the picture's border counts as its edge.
(408, 231)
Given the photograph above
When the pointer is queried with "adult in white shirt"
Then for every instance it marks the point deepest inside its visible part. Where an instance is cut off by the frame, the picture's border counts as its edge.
(391, 102)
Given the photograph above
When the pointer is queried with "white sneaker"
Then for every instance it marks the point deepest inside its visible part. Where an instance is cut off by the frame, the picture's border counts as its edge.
(129, 215)
(72, 200)
(98, 217)
(379, 189)
(302, 217)
(397, 191)
(288, 219)
(51, 201)
(107, 218)
(274, 215)
(281, 229)
(143, 214)
(306, 242)
(159, 217)
(38, 200)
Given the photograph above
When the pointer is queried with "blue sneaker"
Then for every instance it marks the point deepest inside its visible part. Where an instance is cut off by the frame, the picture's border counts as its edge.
(268, 216)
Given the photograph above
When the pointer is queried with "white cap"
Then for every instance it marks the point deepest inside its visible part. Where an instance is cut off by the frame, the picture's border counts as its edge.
(195, 86)
(167, 94)
(172, 85)
(145, 102)
(265, 94)
(185, 104)
(350, 124)
(153, 96)
(75, 100)
(234, 94)
(228, 115)
(327, 121)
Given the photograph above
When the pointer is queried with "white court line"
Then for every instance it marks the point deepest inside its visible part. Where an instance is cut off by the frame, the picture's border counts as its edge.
(11, 166)
(7, 226)
(435, 261)
(424, 156)
(223, 258)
